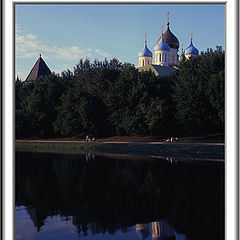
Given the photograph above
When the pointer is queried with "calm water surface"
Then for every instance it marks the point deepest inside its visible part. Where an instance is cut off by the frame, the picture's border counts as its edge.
(75, 196)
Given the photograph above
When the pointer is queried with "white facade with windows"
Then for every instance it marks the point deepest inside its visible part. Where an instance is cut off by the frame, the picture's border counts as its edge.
(161, 58)
(143, 61)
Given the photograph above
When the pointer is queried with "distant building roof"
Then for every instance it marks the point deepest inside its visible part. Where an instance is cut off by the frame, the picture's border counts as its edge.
(157, 69)
(39, 69)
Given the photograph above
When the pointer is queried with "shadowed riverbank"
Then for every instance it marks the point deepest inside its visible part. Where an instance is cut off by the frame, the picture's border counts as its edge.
(184, 150)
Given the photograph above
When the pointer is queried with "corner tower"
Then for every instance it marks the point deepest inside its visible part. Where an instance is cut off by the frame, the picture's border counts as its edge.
(39, 69)
(145, 56)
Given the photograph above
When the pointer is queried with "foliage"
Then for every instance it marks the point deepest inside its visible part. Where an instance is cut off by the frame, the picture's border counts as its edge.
(108, 97)
(36, 106)
(199, 94)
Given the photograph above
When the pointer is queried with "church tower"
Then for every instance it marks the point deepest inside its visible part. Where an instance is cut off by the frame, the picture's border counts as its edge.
(145, 56)
(162, 52)
(191, 50)
(173, 42)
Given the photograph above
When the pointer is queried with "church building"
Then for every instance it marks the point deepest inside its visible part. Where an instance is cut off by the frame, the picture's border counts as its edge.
(166, 58)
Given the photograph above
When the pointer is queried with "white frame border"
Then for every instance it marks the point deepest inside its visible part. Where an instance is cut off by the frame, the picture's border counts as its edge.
(231, 113)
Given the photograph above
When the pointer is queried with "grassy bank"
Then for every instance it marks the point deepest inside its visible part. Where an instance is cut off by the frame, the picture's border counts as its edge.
(54, 146)
(167, 150)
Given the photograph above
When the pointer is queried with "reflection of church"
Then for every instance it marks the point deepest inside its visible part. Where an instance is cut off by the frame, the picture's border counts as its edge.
(166, 56)
(161, 230)
(37, 218)
(143, 230)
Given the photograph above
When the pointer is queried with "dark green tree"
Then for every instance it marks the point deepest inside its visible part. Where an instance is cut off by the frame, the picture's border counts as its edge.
(79, 112)
(199, 94)
(36, 106)
(107, 97)
(24, 122)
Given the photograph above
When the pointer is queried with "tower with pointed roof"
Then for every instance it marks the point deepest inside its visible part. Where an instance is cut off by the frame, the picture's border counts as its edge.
(145, 56)
(39, 69)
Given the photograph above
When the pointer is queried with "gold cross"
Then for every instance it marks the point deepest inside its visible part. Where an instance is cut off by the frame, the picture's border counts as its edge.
(167, 16)
(162, 29)
(191, 34)
(145, 37)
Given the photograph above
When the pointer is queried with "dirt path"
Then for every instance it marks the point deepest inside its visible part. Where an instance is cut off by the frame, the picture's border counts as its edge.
(127, 142)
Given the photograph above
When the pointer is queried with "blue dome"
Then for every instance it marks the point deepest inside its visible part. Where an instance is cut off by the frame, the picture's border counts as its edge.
(145, 52)
(191, 50)
(162, 46)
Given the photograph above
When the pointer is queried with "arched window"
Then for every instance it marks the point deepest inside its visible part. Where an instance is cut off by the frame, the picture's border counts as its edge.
(166, 58)
(148, 62)
(143, 63)
(172, 58)
(160, 57)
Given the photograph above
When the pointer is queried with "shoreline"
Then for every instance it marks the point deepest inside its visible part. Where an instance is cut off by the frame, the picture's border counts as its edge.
(156, 149)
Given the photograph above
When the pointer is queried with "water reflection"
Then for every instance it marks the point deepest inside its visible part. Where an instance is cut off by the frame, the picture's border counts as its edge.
(89, 156)
(161, 230)
(143, 230)
(58, 227)
(172, 161)
(110, 198)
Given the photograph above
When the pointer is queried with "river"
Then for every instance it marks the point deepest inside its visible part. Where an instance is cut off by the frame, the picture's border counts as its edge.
(95, 197)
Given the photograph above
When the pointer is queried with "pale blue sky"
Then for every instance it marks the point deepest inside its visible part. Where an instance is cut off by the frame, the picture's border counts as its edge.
(65, 33)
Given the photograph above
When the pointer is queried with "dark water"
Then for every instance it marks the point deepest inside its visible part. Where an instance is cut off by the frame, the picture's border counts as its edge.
(73, 196)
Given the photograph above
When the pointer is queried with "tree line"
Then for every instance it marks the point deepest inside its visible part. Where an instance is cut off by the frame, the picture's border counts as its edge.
(106, 98)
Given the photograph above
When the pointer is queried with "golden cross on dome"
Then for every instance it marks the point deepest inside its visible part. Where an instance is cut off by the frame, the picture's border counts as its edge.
(40, 54)
(145, 38)
(191, 34)
(162, 29)
(168, 16)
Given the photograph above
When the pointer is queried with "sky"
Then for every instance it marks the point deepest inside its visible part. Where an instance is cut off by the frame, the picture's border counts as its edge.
(65, 33)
